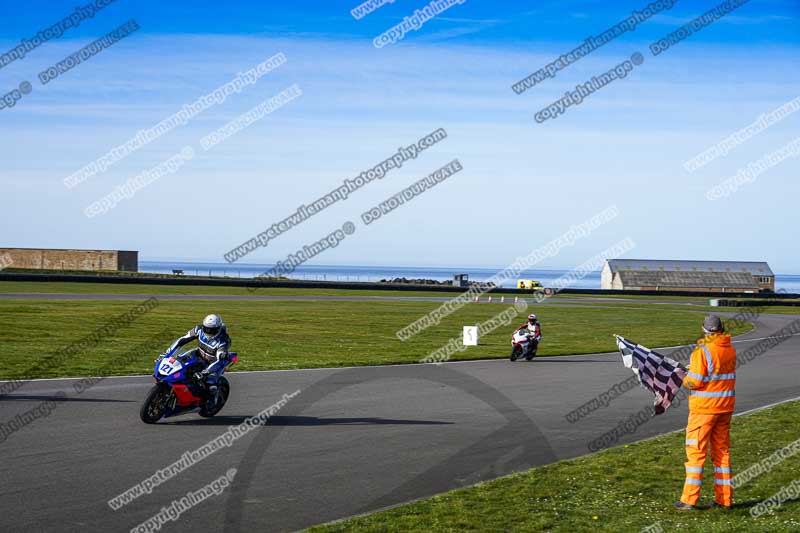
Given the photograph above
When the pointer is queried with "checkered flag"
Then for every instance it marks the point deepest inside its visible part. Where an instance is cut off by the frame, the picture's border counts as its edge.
(657, 373)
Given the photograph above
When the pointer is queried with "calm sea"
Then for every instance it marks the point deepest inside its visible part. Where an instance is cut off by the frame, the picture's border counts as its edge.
(788, 282)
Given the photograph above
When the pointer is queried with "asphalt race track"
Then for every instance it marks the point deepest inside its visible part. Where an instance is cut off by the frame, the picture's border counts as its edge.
(352, 441)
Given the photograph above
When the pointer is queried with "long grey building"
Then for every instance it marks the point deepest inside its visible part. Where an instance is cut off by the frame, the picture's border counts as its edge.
(668, 275)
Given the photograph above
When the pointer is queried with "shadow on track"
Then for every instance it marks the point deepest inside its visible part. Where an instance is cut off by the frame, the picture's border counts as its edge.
(304, 421)
(517, 445)
(53, 398)
(553, 359)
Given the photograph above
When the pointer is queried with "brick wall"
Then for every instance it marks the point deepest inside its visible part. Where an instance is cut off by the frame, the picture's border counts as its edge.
(51, 259)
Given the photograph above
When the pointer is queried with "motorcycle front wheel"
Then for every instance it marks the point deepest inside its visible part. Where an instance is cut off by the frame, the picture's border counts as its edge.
(516, 351)
(155, 404)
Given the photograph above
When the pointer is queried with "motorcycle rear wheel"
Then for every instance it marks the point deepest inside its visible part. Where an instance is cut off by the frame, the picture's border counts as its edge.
(207, 410)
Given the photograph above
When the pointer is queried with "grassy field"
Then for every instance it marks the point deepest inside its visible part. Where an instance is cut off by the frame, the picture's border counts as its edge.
(134, 288)
(629, 302)
(778, 310)
(7, 287)
(55, 287)
(627, 488)
(306, 334)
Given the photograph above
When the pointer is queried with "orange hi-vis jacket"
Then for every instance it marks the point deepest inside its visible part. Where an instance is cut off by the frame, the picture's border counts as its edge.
(711, 379)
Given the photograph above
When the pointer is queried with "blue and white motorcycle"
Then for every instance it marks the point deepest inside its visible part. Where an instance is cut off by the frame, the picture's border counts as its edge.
(177, 391)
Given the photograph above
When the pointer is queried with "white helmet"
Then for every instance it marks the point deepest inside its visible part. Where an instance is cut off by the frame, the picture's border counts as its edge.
(531, 318)
(212, 326)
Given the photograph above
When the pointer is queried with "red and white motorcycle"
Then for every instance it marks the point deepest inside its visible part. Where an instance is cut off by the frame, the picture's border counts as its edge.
(523, 344)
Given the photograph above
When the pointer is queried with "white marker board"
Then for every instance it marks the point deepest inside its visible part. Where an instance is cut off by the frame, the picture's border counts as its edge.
(470, 335)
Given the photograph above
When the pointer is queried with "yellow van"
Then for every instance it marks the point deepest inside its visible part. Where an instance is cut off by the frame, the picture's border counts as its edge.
(529, 284)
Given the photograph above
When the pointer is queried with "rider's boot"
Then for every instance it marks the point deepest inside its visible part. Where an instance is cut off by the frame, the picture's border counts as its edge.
(211, 384)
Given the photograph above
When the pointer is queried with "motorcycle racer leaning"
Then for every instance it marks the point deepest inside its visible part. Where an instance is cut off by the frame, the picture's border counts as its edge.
(534, 330)
(213, 345)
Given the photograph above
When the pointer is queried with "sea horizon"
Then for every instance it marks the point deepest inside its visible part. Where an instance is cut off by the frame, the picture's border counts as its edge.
(367, 273)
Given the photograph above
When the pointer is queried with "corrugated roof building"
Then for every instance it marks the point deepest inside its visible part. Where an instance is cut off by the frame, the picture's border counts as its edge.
(667, 275)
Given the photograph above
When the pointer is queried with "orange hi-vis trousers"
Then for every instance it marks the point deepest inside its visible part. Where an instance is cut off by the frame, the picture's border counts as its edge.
(702, 430)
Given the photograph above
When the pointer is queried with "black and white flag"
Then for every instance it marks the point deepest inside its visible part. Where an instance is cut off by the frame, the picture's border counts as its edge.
(657, 373)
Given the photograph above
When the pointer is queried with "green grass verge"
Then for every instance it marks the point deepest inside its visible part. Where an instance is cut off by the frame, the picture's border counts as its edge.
(626, 488)
(307, 334)
(664, 297)
(74, 287)
(744, 311)
(777, 309)
(7, 287)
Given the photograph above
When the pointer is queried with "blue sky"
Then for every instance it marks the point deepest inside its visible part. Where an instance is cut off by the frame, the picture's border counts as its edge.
(523, 183)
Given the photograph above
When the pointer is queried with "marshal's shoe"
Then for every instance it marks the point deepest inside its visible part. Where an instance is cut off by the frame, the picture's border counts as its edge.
(679, 505)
